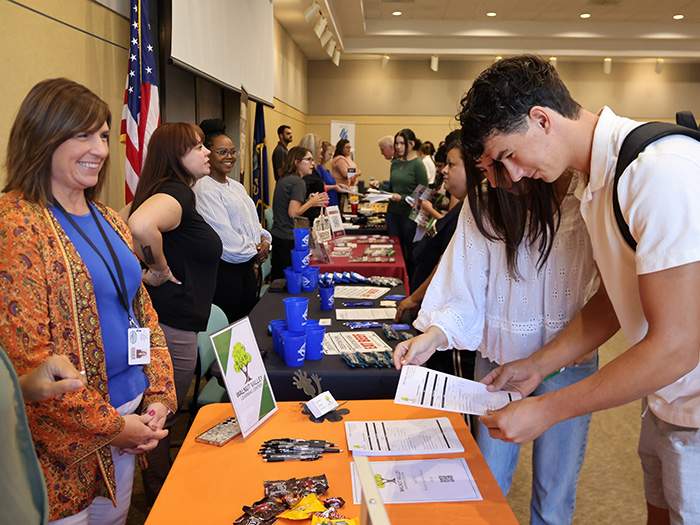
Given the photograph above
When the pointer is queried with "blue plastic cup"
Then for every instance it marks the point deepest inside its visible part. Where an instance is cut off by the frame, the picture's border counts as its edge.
(300, 259)
(296, 309)
(309, 279)
(314, 341)
(293, 280)
(294, 348)
(326, 297)
(301, 238)
(276, 326)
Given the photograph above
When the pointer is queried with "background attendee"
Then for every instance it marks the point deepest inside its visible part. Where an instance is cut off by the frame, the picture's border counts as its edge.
(508, 282)
(426, 255)
(226, 206)
(290, 201)
(279, 154)
(72, 286)
(181, 252)
(386, 147)
(320, 179)
(427, 150)
(22, 488)
(407, 172)
(341, 162)
(332, 188)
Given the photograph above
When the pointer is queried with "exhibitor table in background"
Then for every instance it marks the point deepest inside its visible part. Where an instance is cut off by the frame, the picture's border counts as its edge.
(209, 484)
(300, 384)
(368, 269)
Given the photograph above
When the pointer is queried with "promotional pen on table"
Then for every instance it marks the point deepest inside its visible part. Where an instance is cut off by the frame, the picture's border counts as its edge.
(293, 450)
(358, 303)
(273, 458)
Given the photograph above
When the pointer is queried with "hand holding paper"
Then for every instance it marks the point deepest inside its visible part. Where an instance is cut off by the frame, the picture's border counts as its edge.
(521, 421)
(522, 375)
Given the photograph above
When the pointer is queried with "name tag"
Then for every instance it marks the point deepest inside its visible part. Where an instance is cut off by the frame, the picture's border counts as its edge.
(139, 346)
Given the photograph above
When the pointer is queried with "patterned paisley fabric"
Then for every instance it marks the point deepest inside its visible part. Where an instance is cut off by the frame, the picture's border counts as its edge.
(47, 306)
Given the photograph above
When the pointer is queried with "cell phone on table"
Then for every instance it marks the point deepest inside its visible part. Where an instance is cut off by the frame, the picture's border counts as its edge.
(221, 433)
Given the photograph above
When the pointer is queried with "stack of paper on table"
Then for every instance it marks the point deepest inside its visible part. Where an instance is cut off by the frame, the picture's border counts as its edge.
(365, 314)
(366, 341)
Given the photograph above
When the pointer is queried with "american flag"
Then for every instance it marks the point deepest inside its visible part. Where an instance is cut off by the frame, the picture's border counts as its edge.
(141, 113)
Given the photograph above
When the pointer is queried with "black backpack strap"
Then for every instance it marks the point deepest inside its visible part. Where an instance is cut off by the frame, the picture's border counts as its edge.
(638, 139)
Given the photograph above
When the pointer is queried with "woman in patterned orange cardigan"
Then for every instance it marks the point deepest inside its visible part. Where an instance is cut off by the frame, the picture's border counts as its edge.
(70, 284)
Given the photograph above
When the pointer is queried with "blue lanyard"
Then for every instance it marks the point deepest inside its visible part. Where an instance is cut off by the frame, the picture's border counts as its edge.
(121, 286)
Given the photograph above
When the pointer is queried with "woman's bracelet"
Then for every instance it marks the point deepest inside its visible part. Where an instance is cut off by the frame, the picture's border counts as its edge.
(159, 275)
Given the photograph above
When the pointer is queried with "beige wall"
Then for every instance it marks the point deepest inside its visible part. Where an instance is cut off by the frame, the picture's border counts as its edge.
(34, 48)
(408, 94)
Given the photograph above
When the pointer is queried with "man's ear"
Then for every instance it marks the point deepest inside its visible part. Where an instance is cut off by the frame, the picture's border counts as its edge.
(541, 117)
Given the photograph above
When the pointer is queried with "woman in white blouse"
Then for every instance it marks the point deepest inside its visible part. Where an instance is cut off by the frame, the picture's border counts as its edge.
(227, 208)
(518, 269)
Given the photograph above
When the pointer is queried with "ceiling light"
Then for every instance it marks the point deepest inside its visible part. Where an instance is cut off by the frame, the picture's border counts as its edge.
(491, 14)
(678, 17)
(311, 11)
(397, 13)
(607, 65)
(330, 48)
(320, 27)
(336, 57)
(326, 37)
(434, 62)
(385, 62)
(659, 65)
(584, 15)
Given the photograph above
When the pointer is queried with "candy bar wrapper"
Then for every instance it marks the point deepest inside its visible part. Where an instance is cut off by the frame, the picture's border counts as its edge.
(264, 509)
(304, 509)
(312, 485)
(316, 520)
(277, 489)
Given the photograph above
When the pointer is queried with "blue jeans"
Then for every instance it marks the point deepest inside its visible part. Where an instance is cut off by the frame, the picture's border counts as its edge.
(557, 455)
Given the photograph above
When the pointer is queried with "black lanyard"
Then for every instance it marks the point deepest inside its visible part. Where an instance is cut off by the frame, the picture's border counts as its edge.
(121, 287)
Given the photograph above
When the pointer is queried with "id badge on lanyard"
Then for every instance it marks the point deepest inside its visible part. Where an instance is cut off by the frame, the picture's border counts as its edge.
(139, 345)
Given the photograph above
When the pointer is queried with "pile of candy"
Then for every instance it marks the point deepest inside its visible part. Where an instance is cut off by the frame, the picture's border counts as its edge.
(296, 499)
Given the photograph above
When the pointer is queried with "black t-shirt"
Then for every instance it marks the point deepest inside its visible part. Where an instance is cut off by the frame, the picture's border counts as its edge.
(314, 184)
(427, 252)
(192, 250)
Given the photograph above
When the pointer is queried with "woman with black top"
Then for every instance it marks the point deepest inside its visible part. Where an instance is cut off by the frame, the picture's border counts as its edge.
(290, 201)
(181, 253)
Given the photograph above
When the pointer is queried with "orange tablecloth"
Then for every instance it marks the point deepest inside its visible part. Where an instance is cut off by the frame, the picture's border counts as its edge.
(210, 484)
(368, 269)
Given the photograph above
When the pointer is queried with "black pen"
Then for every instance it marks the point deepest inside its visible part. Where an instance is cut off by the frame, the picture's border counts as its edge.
(290, 457)
(291, 450)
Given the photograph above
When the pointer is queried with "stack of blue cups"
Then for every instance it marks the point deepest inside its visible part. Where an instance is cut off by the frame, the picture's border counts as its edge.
(300, 276)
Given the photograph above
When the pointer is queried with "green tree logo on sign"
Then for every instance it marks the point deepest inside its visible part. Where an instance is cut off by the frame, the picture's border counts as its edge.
(241, 360)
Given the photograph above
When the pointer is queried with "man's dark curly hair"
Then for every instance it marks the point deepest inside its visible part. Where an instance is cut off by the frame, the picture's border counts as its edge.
(502, 95)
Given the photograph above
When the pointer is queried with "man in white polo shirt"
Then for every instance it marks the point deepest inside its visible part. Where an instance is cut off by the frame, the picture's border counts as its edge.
(519, 112)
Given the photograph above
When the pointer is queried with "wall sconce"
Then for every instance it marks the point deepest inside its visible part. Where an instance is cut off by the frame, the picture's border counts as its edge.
(311, 11)
(659, 65)
(553, 62)
(434, 62)
(607, 65)
(320, 27)
(497, 58)
(336, 57)
(385, 62)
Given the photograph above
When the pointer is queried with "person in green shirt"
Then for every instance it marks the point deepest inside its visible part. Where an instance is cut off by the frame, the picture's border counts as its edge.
(407, 172)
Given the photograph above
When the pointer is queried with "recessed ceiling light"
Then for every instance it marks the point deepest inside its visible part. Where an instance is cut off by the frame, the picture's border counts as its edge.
(585, 15)
(678, 17)
(491, 14)
(397, 13)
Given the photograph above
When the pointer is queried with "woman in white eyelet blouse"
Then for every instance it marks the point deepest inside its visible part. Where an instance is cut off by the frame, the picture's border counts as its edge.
(477, 303)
